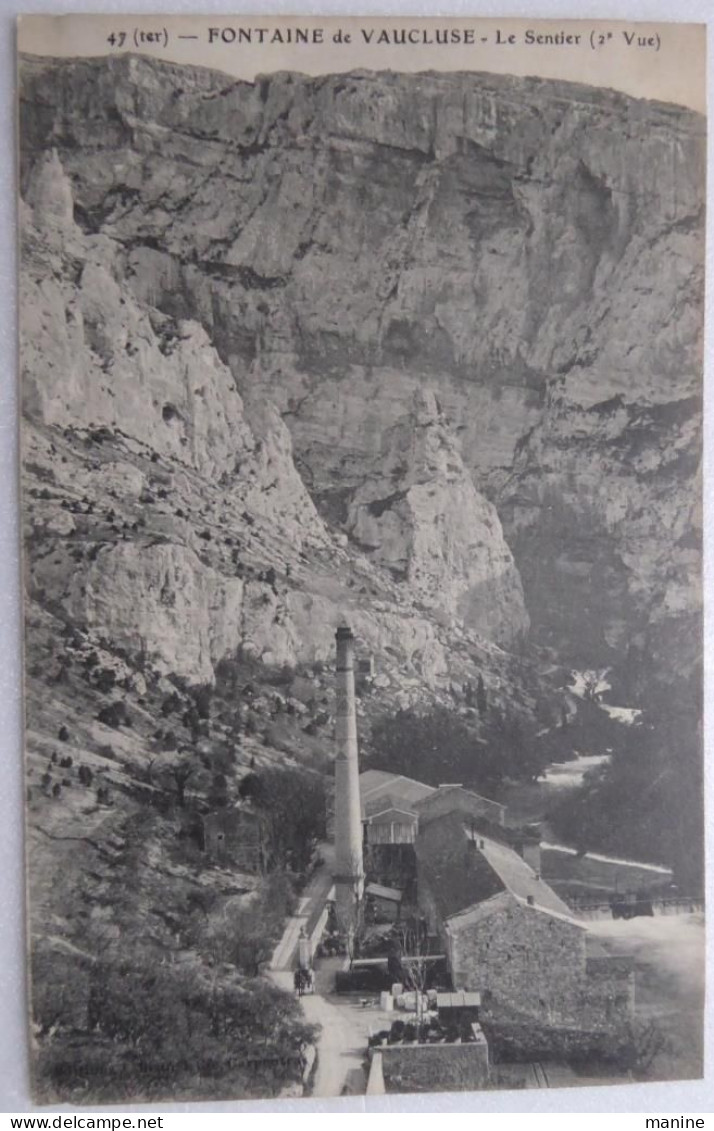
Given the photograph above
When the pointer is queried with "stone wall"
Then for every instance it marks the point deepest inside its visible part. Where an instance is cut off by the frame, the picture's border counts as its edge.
(430, 911)
(436, 1067)
(526, 960)
(607, 997)
(448, 865)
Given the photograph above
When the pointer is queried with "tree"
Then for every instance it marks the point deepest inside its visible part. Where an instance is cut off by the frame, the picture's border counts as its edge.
(433, 746)
(162, 1027)
(293, 801)
(513, 750)
(481, 698)
(182, 772)
(413, 950)
(634, 804)
(594, 683)
(246, 935)
(647, 1041)
(202, 696)
(439, 745)
(218, 797)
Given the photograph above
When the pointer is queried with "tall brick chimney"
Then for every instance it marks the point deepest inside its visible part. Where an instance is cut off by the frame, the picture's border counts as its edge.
(349, 866)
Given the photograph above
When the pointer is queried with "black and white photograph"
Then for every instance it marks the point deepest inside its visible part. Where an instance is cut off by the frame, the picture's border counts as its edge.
(361, 442)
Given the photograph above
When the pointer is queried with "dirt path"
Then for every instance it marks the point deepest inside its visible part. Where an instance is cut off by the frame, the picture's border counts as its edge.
(344, 1031)
(343, 1040)
(344, 1025)
(309, 906)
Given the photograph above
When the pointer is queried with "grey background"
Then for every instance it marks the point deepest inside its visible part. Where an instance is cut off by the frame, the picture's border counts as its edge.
(14, 1085)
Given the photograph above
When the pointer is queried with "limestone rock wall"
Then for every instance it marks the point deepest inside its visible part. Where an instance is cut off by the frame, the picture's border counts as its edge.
(165, 514)
(418, 513)
(528, 252)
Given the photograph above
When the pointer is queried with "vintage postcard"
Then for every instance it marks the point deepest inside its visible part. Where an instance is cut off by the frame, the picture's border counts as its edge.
(361, 436)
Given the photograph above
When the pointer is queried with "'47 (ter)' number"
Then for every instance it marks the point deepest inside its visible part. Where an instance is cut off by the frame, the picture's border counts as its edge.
(139, 37)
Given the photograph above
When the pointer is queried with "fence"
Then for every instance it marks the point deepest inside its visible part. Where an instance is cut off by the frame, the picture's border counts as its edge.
(674, 906)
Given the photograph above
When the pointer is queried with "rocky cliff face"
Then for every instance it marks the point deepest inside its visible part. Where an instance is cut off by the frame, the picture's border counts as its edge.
(418, 513)
(165, 515)
(475, 303)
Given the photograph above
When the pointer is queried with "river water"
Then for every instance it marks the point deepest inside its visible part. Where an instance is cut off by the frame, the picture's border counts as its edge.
(567, 775)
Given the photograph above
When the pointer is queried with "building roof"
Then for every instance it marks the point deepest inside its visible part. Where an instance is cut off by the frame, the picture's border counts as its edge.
(469, 793)
(465, 870)
(410, 795)
(447, 862)
(517, 876)
(382, 892)
(403, 792)
(385, 803)
(369, 779)
(391, 815)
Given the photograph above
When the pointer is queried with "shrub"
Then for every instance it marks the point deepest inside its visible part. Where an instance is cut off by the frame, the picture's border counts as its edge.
(156, 1030)
(170, 704)
(281, 676)
(202, 696)
(106, 678)
(114, 715)
(246, 936)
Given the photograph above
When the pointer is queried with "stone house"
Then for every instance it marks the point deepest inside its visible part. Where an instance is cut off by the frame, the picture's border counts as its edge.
(507, 935)
(235, 836)
(393, 809)
(378, 787)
